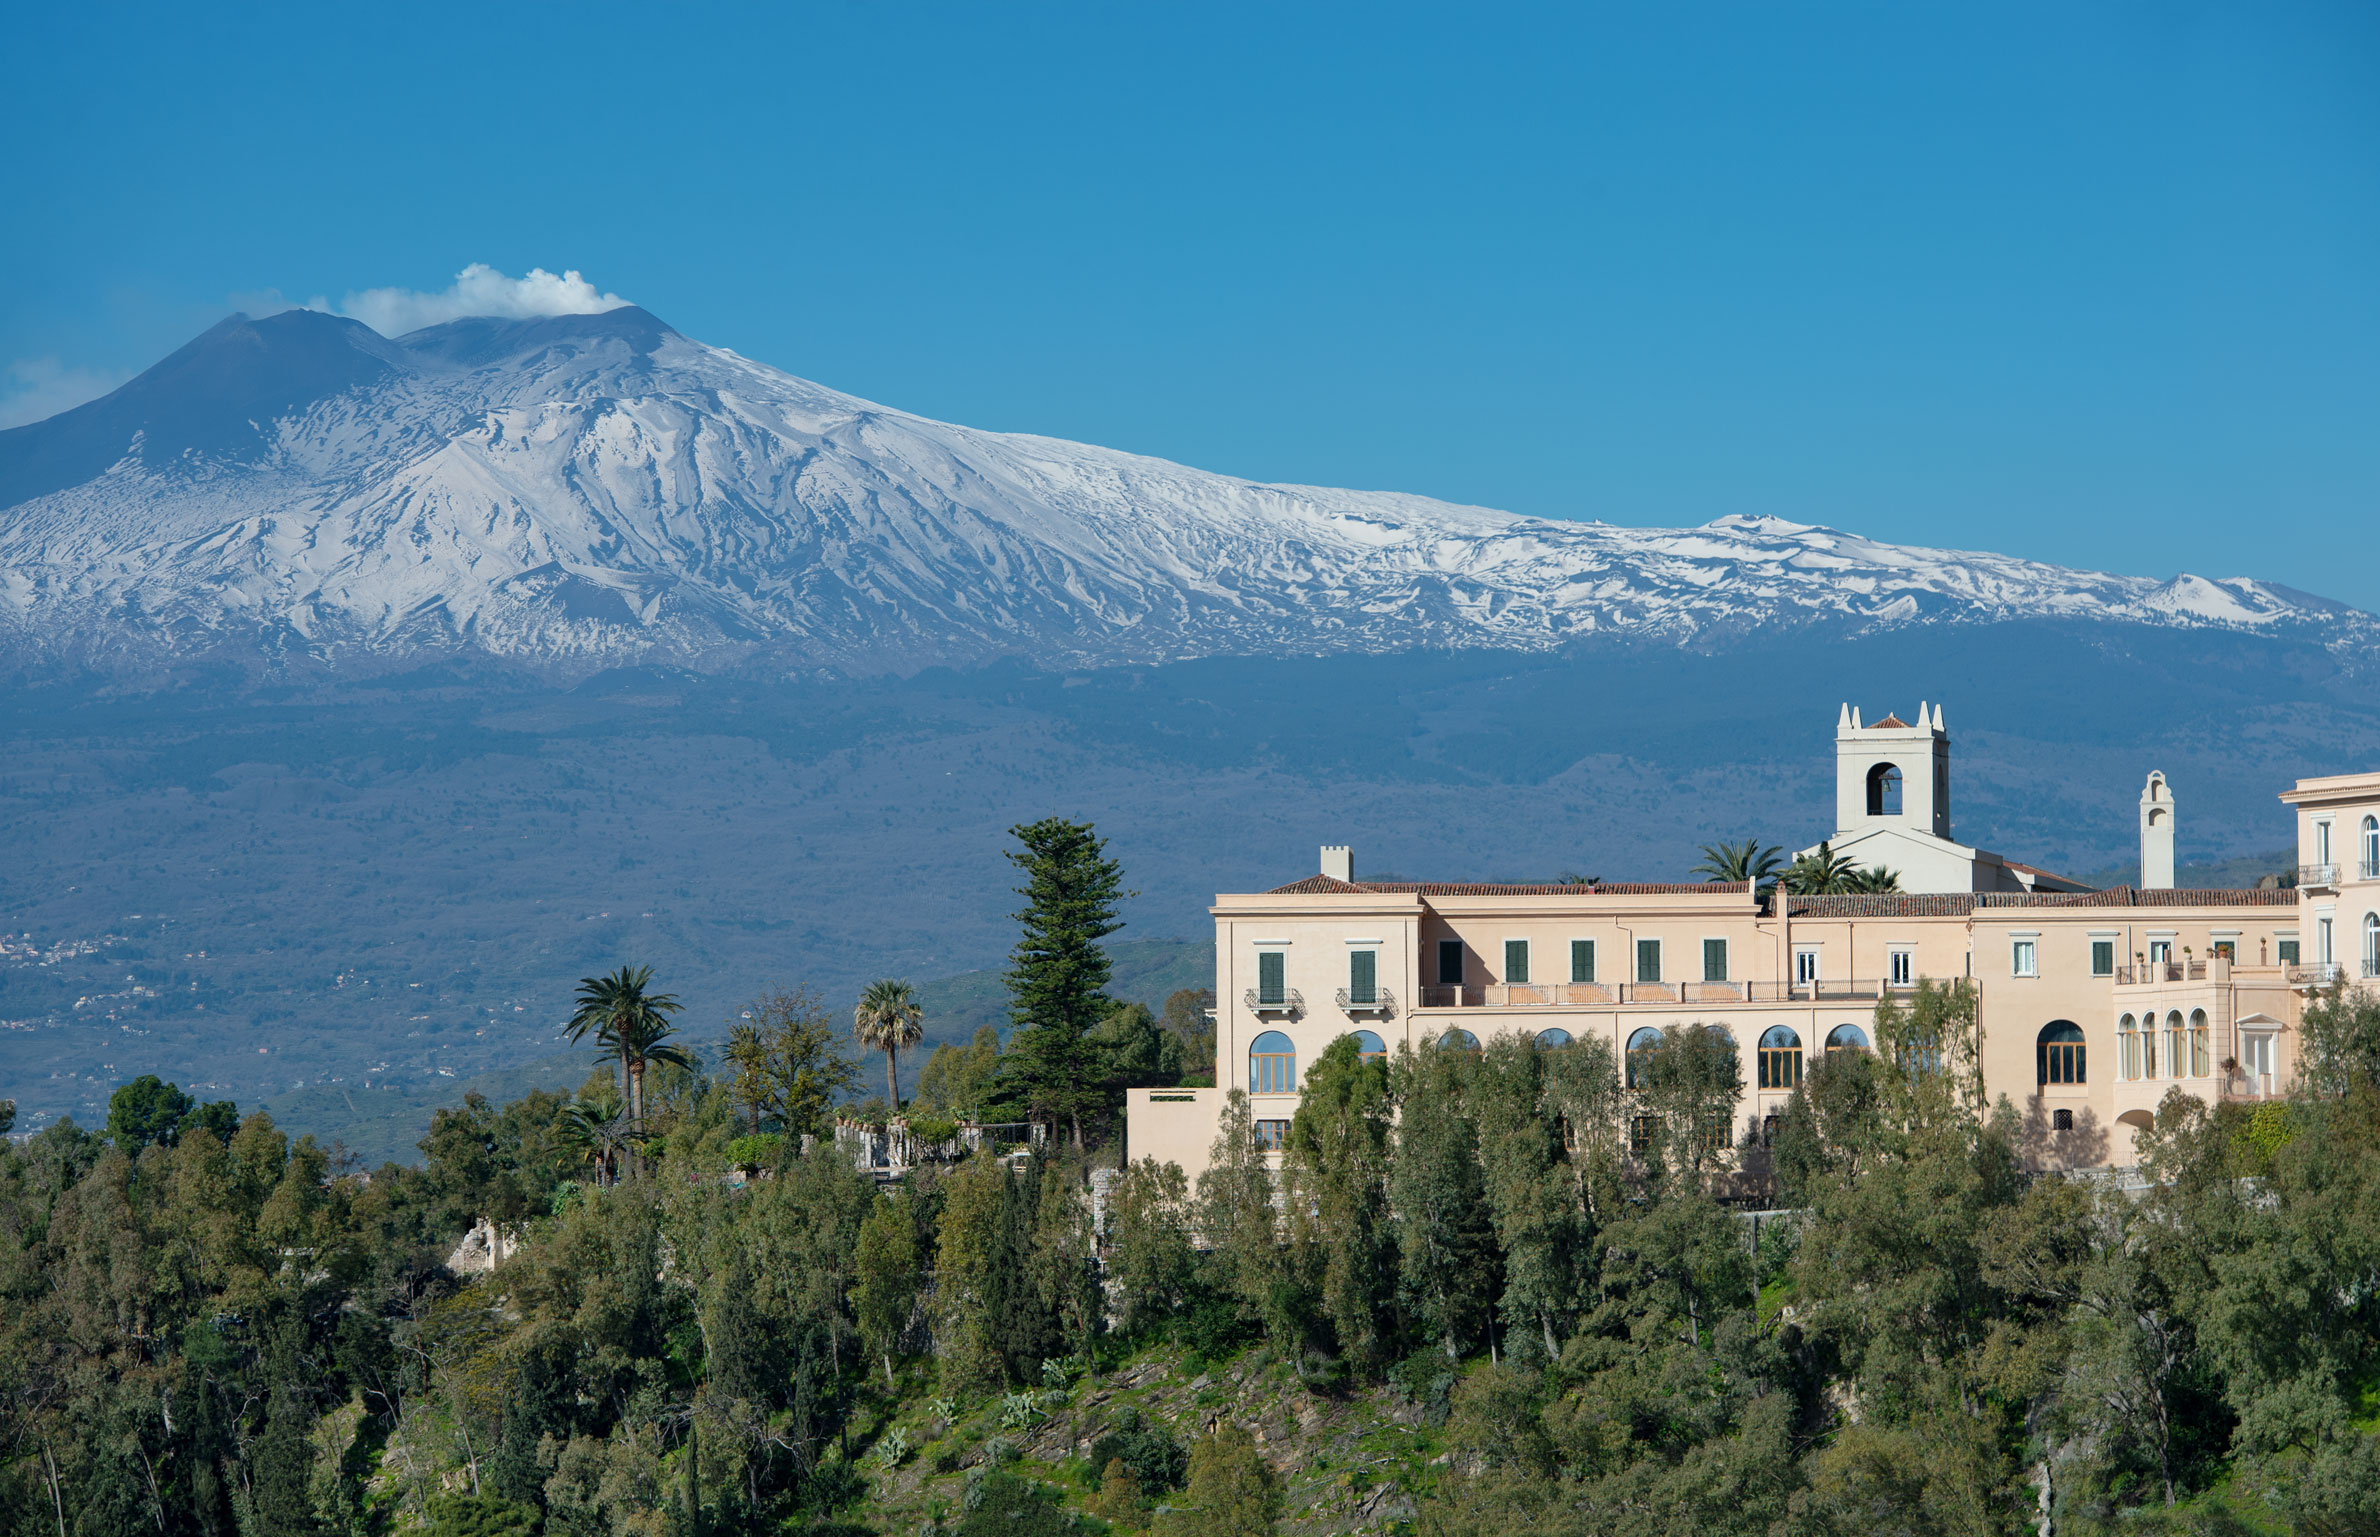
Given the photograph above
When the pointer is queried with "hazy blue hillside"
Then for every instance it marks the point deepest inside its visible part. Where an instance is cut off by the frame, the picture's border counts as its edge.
(378, 1124)
(395, 883)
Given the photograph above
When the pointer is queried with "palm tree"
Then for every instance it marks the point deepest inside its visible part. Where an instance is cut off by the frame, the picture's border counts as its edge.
(598, 1130)
(887, 1019)
(1740, 863)
(1874, 881)
(1822, 872)
(631, 1024)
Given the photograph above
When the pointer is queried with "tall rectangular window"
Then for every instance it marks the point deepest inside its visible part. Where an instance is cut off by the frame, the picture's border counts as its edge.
(1714, 960)
(2322, 843)
(1648, 960)
(1450, 962)
(2103, 957)
(1363, 976)
(1516, 960)
(1582, 960)
(1805, 966)
(2020, 959)
(1272, 977)
(1900, 967)
(2286, 949)
(2322, 950)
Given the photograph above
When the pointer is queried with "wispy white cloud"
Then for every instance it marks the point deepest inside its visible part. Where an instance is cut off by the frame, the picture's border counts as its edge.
(479, 289)
(35, 388)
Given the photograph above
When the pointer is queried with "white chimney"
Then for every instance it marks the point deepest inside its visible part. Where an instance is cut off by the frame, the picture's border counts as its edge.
(1338, 861)
(2156, 834)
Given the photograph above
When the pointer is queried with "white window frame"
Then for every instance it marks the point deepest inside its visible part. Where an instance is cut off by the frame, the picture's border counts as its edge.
(2322, 841)
(1900, 966)
(1806, 965)
(2024, 954)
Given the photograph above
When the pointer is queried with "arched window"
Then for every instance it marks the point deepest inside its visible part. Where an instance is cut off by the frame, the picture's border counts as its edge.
(2061, 1052)
(2202, 1055)
(1459, 1040)
(1638, 1044)
(2127, 1049)
(1780, 1057)
(1272, 1064)
(1847, 1038)
(1884, 791)
(1369, 1046)
(2177, 1046)
(1548, 1039)
(2371, 848)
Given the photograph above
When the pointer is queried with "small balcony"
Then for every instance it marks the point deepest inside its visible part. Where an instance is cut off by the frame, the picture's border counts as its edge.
(2369, 870)
(1378, 1001)
(2318, 877)
(2315, 973)
(2161, 971)
(1287, 1000)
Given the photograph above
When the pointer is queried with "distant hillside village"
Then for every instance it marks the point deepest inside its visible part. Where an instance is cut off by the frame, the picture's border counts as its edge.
(2089, 1006)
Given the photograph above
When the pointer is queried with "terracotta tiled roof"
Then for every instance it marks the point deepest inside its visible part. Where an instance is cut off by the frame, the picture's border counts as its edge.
(1893, 721)
(1328, 885)
(2129, 896)
(1957, 904)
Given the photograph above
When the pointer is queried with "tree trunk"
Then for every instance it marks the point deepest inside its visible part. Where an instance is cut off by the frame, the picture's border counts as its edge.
(892, 1076)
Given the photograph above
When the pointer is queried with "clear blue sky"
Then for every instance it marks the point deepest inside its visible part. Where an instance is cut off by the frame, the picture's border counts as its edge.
(2094, 283)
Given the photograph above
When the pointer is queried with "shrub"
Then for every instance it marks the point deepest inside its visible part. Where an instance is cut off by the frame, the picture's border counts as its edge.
(1146, 1449)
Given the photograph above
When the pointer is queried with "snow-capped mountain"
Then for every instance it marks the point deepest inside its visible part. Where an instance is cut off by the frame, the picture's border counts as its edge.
(597, 488)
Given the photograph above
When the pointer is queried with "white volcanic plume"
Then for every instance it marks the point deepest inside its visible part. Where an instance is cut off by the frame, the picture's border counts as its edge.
(479, 289)
(593, 487)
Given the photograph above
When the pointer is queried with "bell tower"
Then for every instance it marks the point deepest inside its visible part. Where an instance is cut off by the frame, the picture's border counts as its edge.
(1892, 774)
(2156, 834)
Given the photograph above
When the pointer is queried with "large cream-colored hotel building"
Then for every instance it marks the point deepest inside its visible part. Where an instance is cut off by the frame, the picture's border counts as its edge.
(2095, 1004)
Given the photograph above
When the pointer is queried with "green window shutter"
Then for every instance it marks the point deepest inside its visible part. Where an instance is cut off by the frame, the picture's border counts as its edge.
(1362, 976)
(1272, 983)
(2288, 952)
(1582, 960)
(2103, 957)
(1648, 960)
(1714, 960)
(1516, 960)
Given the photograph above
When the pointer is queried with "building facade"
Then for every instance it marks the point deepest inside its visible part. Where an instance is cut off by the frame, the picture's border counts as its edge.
(2094, 1004)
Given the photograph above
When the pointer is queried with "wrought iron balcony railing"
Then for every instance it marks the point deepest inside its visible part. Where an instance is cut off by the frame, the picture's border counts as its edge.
(1287, 1001)
(2315, 973)
(1381, 1001)
(2317, 877)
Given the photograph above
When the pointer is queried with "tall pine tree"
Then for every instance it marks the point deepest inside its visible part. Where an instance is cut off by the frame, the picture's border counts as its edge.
(1057, 975)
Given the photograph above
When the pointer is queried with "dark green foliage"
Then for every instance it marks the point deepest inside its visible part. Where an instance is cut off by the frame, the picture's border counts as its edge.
(1057, 975)
(146, 1110)
(1156, 1458)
